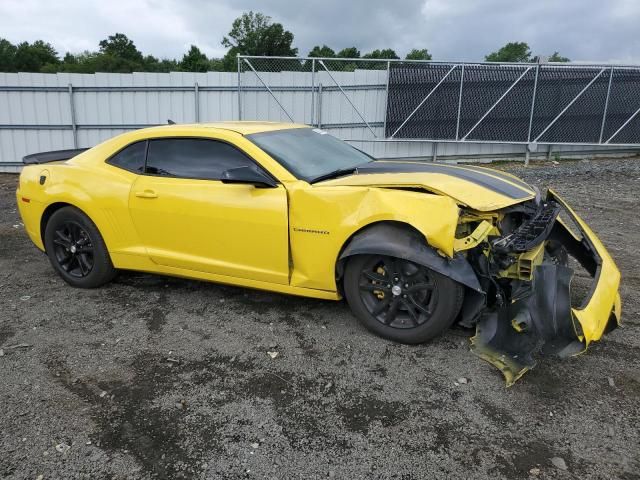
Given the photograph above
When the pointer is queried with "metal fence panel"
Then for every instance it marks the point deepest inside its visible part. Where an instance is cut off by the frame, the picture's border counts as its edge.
(390, 108)
(433, 91)
(624, 103)
(514, 103)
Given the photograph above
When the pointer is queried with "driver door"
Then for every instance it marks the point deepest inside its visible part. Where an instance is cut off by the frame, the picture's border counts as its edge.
(187, 218)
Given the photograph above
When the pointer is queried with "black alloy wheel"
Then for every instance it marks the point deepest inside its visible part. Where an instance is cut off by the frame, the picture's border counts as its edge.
(76, 249)
(73, 249)
(397, 293)
(399, 299)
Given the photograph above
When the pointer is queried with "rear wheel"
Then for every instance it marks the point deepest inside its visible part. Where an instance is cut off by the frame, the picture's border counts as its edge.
(401, 300)
(76, 249)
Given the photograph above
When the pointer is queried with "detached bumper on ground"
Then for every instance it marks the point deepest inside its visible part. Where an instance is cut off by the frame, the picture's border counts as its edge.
(540, 319)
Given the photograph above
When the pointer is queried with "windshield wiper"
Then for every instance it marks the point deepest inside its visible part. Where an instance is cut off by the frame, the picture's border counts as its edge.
(337, 173)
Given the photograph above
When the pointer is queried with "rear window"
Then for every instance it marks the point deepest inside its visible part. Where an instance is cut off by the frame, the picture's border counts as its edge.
(131, 157)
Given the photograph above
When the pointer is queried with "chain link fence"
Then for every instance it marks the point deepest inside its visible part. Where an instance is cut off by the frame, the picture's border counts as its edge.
(325, 92)
(399, 100)
(389, 108)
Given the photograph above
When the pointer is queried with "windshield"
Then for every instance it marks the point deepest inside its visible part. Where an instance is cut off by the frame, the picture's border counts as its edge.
(310, 153)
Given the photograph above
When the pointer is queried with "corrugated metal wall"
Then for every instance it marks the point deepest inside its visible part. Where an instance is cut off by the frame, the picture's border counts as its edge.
(36, 109)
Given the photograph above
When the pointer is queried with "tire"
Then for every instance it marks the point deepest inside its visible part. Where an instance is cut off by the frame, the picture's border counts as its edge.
(76, 249)
(425, 302)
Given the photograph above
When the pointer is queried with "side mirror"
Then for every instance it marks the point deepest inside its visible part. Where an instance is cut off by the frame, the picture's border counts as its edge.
(250, 175)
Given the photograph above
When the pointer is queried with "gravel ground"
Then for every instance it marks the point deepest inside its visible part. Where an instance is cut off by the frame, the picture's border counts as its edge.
(154, 377)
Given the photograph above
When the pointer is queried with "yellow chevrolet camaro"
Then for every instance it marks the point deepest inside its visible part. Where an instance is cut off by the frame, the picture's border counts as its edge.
(413, 246)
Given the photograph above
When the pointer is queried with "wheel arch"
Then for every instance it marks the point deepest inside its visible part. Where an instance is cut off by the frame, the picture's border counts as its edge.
(402, 240)
(47, 214)
(53, 208)
(346, 249)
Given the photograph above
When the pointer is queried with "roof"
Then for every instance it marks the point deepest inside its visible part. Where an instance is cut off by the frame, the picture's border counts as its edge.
(243, 128)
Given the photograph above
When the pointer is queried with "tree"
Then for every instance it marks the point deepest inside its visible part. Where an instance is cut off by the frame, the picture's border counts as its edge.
(386, 53)
(322, 51)
(7, 56)
(120, 46)
(416, 54)
(255, 34)
(216, 65)
(92, 62)
(318, 52)
(165, 65)
(194, 61)
(33, 57)
(511, 52)
(84, 62)
(350, 52)
(556, 57)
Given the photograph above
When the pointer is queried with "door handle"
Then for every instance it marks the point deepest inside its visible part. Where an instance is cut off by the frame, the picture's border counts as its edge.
(146, 194)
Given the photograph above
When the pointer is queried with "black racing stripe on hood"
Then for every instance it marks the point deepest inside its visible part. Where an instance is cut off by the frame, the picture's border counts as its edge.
(498, 173)
(478, 177)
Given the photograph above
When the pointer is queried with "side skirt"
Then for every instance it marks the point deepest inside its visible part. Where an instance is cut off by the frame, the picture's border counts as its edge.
(143, 264)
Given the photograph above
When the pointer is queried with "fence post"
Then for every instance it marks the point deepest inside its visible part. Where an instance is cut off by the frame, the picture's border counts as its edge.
(72, 109)
(459, 102)
(239, 90)
(606, 106)
(434, 152)
(533, 106)
(313, 90)
(319, 107)
(196, 93)
(386, 100)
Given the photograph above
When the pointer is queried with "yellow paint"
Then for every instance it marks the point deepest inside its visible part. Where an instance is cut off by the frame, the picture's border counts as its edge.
(525, 264)
(594, 316)
(472, 240)
(286, 239)
(257, 237)
(511, 370)
(343, 211)
(466, 193)
(208, 226)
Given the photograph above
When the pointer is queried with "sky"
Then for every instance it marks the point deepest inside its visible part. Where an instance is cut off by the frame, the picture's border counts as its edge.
(460, 30)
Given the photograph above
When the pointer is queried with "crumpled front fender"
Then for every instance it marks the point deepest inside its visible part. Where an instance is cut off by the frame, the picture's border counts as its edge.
(397, 241)
(541, 320)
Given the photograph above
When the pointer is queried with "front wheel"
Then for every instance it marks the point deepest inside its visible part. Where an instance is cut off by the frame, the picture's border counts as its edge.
(76, 249)
(401, 300)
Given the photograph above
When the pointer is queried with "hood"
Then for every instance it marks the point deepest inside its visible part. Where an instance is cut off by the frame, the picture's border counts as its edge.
(479, 188)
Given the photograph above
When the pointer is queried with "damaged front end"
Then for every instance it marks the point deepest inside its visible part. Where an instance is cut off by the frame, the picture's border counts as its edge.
(525, 258)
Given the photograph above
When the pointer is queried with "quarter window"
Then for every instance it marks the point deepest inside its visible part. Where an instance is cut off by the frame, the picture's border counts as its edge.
(131, 157)
(193, 158)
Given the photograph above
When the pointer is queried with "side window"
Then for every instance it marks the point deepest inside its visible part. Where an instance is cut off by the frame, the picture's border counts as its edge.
(131, 157)
(193, 158)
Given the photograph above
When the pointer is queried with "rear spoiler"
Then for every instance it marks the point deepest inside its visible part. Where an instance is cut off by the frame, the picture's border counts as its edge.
(53, 156)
